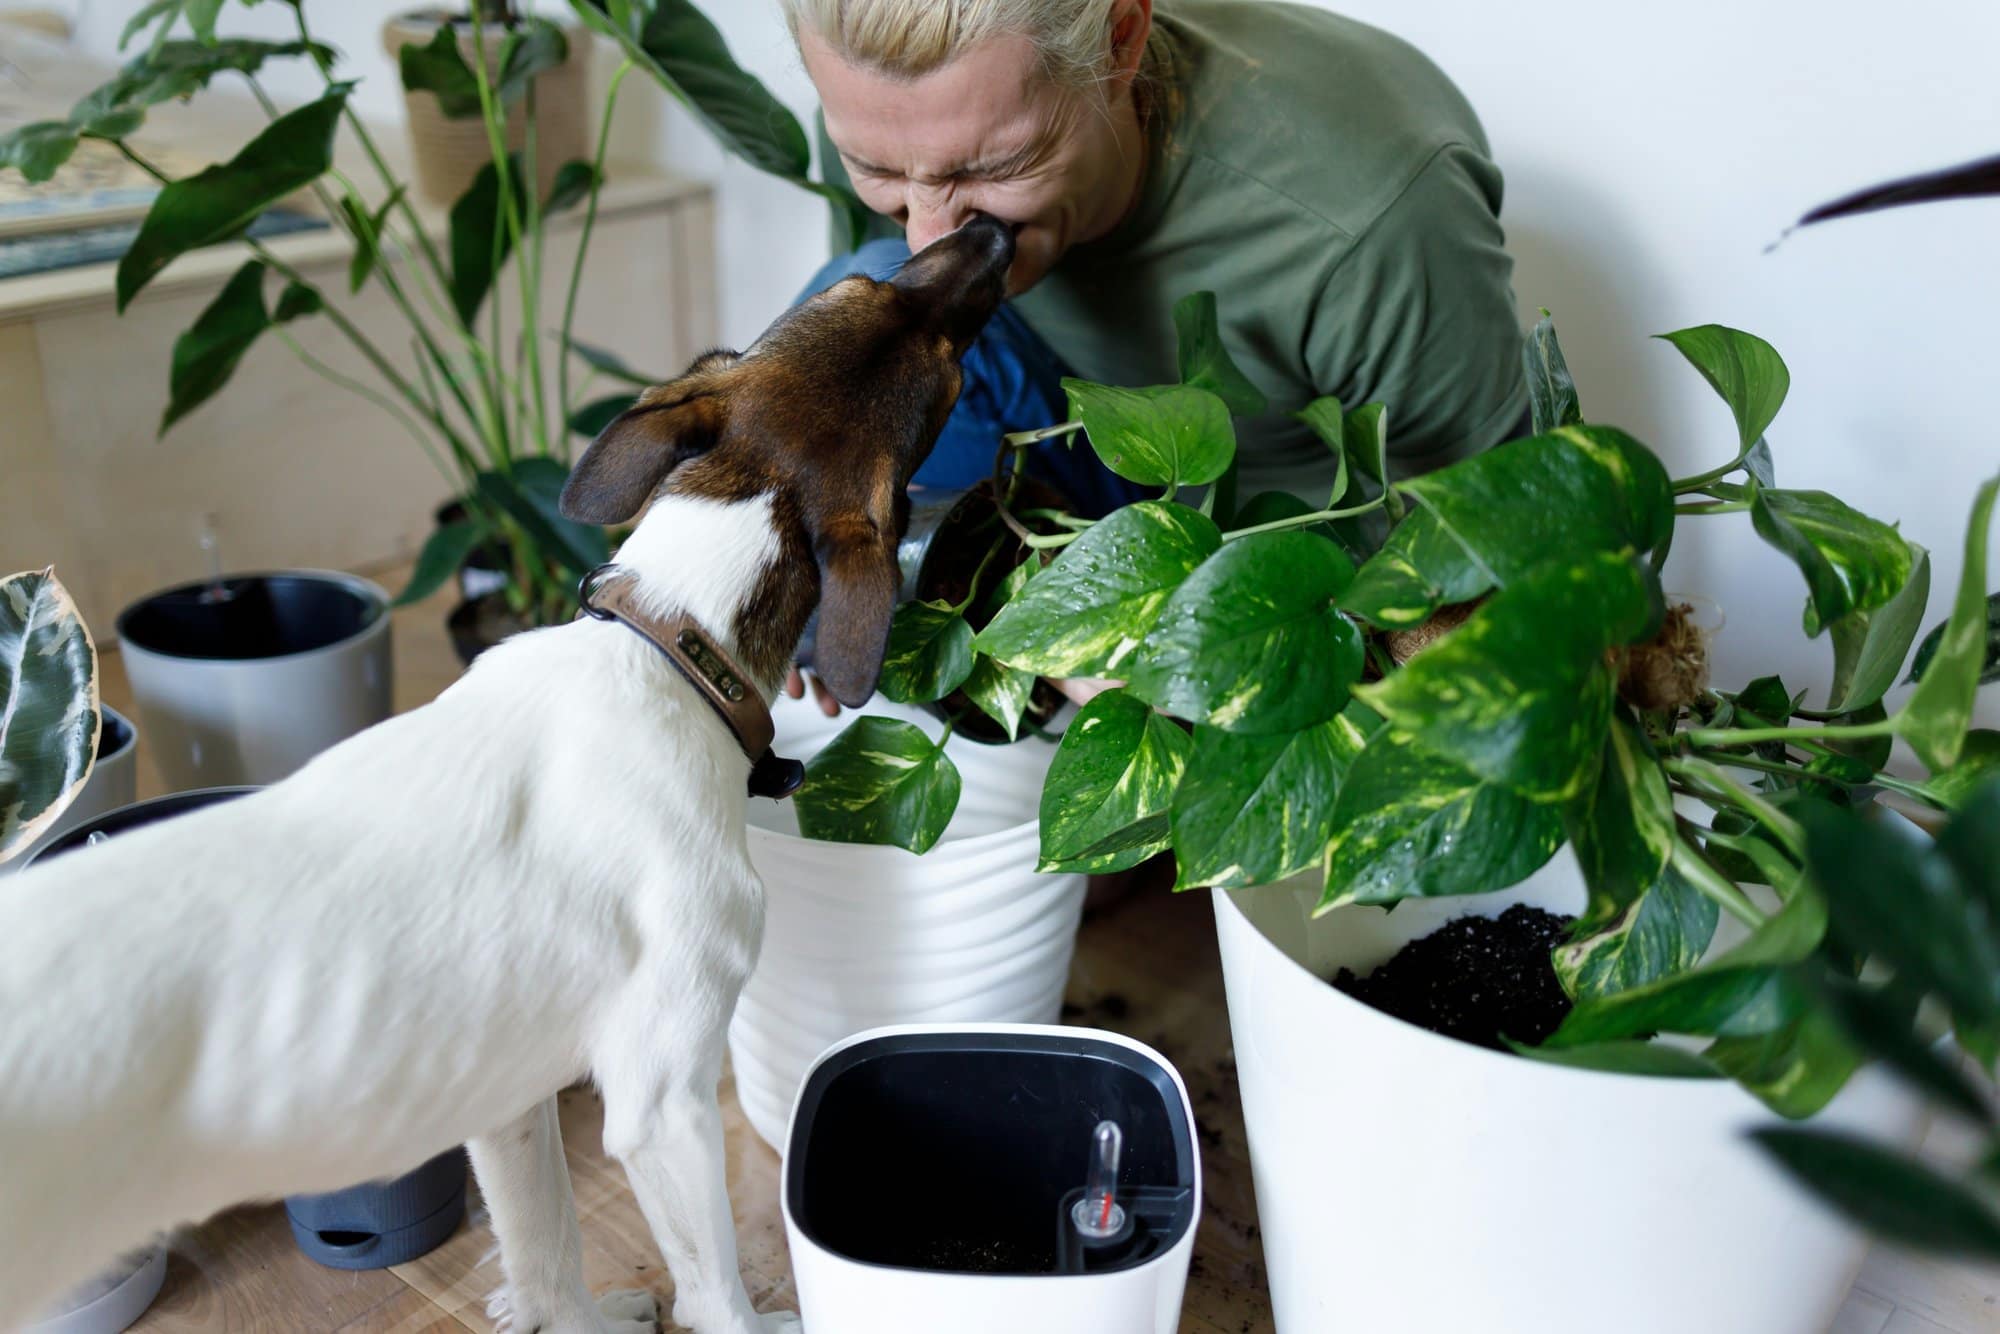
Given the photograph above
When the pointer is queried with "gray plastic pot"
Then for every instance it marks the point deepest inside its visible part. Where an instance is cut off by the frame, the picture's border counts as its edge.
(382, 1223)
(243, 679)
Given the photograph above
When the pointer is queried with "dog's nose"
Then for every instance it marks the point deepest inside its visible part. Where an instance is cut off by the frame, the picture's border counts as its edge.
(995, 237)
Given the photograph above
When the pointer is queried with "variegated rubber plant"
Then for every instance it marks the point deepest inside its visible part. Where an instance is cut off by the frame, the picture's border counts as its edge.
(487, 391)
(1438, 711)
(49, 713)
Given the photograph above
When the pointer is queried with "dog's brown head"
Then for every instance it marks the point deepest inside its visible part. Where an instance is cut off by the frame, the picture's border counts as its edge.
(829, 413)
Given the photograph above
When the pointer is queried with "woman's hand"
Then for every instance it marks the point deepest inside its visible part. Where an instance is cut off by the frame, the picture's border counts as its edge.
(795, 686)
(1083, 689)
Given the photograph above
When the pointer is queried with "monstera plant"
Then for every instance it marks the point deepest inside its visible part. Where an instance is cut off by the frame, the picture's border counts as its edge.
(1437, 711)
(485, 388)
(49, 713)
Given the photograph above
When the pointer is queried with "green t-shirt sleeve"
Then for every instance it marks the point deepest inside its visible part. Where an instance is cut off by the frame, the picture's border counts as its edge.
(1418, 315)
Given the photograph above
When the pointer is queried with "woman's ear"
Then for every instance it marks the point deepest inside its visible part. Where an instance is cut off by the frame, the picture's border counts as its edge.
(631, 457)
(1131, 25)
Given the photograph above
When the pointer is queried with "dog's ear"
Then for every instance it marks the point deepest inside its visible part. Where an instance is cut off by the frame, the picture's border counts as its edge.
(629, 459)
(858, 586)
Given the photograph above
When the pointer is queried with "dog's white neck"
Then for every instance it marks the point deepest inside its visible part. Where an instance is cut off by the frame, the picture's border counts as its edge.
(702, 557)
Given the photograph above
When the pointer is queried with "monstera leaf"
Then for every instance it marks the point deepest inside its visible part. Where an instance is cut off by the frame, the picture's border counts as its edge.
(49, 713)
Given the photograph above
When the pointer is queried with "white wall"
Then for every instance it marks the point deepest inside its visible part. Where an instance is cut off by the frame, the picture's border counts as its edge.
(1652, 152)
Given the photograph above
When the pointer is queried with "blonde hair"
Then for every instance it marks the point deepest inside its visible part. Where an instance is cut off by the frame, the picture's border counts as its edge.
(908, 39)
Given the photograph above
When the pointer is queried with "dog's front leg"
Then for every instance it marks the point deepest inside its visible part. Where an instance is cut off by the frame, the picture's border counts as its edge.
(526, 1186)
(668, 1134)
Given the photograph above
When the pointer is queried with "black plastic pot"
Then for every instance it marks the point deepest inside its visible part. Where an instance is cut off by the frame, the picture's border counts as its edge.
(150, 811)
(370, 1226)
(486, 569)
(477, 624)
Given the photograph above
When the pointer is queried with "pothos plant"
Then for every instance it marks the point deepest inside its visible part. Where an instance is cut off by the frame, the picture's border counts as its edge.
(487, 391)
(1437, 713)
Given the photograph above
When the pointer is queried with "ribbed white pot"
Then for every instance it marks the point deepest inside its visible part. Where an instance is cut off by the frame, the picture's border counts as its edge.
(861, 936)
(1413, 1183)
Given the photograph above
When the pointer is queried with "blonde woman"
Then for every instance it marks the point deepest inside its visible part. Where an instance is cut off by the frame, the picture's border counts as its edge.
(1322, 177)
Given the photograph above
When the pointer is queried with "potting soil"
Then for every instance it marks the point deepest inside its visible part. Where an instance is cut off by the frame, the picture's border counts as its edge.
(1474, 979)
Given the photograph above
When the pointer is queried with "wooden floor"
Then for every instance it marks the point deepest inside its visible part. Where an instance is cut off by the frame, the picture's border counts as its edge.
(1146, 966)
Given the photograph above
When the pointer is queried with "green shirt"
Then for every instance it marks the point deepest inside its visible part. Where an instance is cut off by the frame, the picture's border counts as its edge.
(1334, 190)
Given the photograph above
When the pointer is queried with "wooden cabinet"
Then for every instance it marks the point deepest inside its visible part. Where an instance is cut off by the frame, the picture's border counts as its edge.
(286, 468)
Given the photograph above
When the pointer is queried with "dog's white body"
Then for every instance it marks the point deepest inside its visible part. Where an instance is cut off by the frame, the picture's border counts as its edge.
(412, 943)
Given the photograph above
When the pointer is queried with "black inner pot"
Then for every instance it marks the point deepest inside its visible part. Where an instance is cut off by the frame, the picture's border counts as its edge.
(127, 818)
(954, 1152)
(115, 735)
(251, 616)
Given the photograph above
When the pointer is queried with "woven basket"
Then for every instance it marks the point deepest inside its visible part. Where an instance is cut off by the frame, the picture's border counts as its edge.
(449, 153)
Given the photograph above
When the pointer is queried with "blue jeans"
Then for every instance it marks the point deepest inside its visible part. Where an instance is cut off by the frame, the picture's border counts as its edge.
(1013, 382)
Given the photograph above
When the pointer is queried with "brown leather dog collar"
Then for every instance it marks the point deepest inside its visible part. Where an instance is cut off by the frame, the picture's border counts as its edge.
(607, 593)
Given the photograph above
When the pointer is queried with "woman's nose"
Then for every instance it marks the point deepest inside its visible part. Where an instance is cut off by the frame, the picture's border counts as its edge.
(931, 218)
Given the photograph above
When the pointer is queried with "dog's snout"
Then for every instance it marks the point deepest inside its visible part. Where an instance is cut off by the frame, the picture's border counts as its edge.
(962, 276)
(994, 236)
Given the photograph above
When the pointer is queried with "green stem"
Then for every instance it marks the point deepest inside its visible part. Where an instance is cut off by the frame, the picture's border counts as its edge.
(140, 162)
(1062, 518)
(1714, 507)
(529, 267)
(1702, 481)
(1716, 738)
(972, 591)
(1020, 438)
(1706, 776)
(564, 403)
(389, 281)
(380, 400)
(1046, 541)
(508, 233)
(381, 164)
(1305, 520)
(366, 348)
(1713, 884)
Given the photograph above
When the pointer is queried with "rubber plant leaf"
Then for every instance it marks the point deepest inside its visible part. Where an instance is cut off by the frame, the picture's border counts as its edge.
(49, 712)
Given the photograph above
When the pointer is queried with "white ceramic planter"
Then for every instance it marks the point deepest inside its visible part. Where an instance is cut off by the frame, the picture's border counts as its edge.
(228, 706)
(112, 1301)
(861, 936)
(113, 782)
(1412, 1183)
(934, 1116)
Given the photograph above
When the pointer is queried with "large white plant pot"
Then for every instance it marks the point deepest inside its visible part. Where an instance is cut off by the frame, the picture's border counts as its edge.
(1410, 1183)
(862, 936)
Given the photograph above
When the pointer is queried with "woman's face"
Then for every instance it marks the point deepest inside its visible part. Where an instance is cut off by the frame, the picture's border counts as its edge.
(986, 133)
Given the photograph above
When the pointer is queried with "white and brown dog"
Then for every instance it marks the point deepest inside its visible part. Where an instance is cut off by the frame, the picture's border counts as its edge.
(421, 936)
